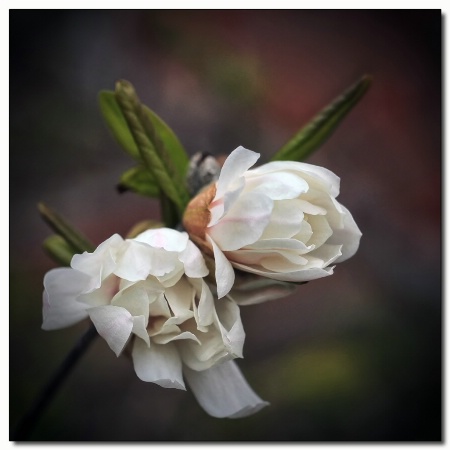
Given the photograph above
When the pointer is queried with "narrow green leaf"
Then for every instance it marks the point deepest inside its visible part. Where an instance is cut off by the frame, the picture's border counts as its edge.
(171, 142)
(139, 180)
(59, 249)
(74, 238)
(152, 149)
(320, 128)
(117, 124)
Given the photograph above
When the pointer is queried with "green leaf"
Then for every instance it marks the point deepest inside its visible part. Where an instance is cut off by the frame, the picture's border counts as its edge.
(171, 142)
(139, 180)
(59, 249)
(320, 128)
(74, 238)
(154, 152)
(117, 124)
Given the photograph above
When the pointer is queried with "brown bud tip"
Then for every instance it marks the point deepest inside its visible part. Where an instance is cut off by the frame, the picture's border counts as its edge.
(197, 216)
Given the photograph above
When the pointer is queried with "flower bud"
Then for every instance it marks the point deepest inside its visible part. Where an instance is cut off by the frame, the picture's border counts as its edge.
(281, 221)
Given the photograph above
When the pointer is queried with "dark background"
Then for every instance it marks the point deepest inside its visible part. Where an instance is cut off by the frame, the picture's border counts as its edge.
(353, 357)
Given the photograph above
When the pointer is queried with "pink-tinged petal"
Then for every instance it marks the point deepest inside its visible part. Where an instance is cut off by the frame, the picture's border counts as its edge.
(222, 391)
(276, 185)
(158, 364)
(60, 306)
(234, 167)
(244, 223)
(114, 324)
(349, 236)
(224, 270)
(194, 264)
(166, 238)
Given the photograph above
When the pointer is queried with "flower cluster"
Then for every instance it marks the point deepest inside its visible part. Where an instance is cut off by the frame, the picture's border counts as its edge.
(261, 230)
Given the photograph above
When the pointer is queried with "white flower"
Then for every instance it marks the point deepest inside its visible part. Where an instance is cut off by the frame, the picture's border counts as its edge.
(151, 289)
(280, 220)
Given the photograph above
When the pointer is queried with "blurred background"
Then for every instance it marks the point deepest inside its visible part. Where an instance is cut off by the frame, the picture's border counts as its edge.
(352, 357)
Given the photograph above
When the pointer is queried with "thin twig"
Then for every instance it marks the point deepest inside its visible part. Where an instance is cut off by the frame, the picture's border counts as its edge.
(30, 420)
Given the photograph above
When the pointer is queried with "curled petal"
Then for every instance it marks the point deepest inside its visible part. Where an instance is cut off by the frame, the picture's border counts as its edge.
(222, 391)
(158, 364)
(224, 270)
(60, 306)
(234, 167)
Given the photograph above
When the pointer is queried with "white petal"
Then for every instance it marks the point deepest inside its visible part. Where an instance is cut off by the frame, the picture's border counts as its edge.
(224, 270)
(134, 299)
(101, 263)
(244, 223)
(276, 185)
(284, 262)
(166, 238)
(349, 236)
(114, 324)
(234, 167)
(230, 323)
(158, 364)
(60, 306)
(222, 391)
(194, 264)
(204, 311)
(140, 329)
(135, 262)
(326, 254)
(140, 260)
(285, 221)
(315, 175)
(180, 297)
(298, 276)
(321, 230)
(294, 245)
(103, 295)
